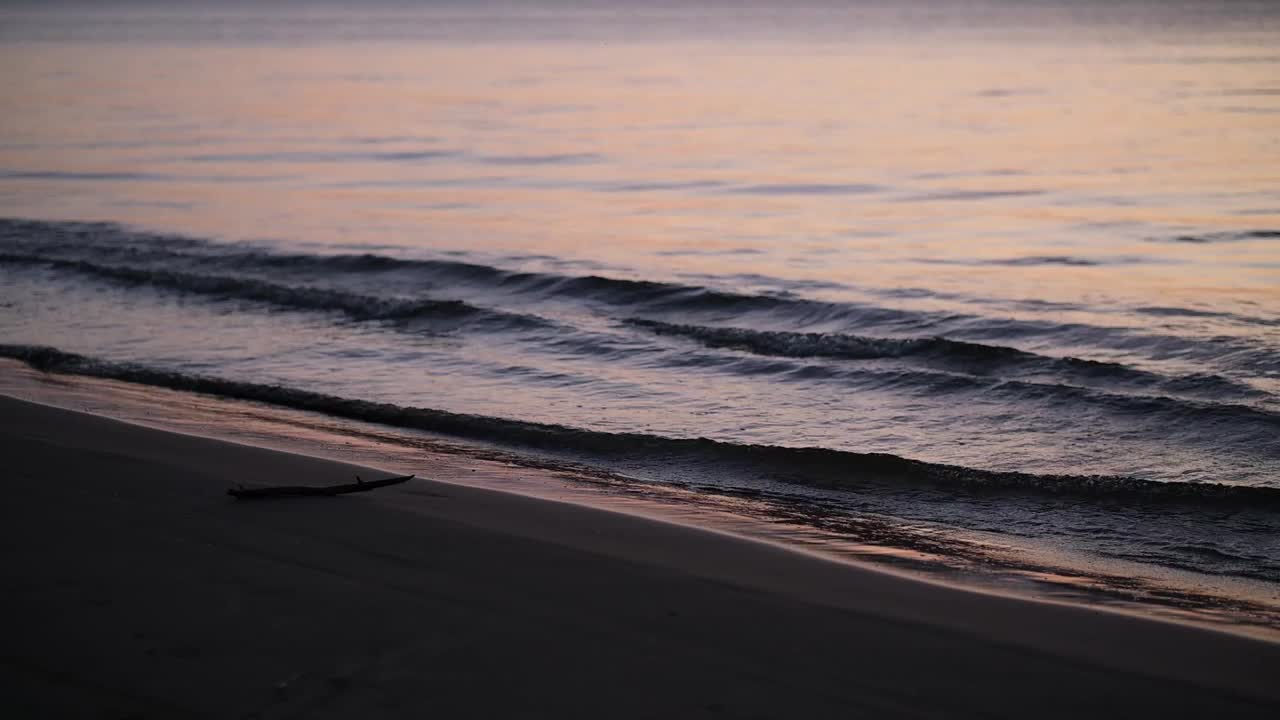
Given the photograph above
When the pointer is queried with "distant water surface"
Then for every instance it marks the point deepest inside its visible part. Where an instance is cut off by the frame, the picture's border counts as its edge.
(860, 249)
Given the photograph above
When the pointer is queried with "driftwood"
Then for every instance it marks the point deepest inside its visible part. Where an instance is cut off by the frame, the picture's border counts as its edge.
(277, 491)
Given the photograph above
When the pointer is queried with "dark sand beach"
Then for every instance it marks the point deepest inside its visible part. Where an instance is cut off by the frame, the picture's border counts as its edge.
(136, 588)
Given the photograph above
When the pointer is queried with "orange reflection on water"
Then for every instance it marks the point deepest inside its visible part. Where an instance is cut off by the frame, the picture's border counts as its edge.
(841, 163)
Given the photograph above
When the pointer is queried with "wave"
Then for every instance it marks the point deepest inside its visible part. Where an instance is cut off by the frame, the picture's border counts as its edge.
(355, 306)
(285, 156)
(103, 241)
(966, 357)
(1034, 260)
(57, 175)
(94, 242)
(806, 189)
(976, 362)
(395, 156)
(969, 368)
(833, 469)
(371, 274)
(550, 159)
(1224, 236)
(1252, 430)
(966, 195)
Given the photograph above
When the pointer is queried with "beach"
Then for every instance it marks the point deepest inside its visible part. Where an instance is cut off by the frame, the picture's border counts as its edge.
(782, 360)
(138, 588)
(837, 275)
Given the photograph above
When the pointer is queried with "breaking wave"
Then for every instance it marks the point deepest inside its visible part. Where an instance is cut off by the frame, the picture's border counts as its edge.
(832, 469)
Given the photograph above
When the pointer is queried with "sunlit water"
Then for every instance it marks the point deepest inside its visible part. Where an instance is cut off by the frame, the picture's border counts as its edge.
(1023, 244)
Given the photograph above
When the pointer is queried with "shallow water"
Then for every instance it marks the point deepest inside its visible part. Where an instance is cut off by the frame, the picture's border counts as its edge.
(1013, 269)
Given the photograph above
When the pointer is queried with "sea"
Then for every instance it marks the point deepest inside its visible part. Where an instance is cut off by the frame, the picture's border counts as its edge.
(984, 291)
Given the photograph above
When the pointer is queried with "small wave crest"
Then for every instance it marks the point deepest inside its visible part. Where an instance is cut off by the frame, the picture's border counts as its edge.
(966, 367)
(832, 469)
(1224, 236)
(355, 306)
(371, 274)
(966, 357)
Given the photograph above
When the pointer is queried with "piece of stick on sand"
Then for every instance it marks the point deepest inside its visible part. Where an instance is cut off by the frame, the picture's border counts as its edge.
(278, 491)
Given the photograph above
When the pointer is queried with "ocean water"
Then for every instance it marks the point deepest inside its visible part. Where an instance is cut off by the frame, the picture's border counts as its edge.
(1004, 268)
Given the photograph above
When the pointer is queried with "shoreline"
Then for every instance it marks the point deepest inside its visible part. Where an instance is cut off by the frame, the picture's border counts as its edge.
(441, 596)
(946, 555)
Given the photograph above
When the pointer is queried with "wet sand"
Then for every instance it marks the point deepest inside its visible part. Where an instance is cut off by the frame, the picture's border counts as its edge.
(135, 587)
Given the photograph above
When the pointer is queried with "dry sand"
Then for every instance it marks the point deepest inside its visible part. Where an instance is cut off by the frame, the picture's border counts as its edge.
(134, 587)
